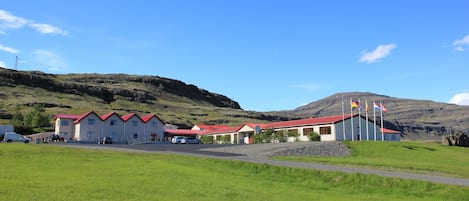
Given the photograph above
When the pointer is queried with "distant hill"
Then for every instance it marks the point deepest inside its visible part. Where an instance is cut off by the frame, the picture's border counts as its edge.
(419, 119)
(184, 104)
(174, 101)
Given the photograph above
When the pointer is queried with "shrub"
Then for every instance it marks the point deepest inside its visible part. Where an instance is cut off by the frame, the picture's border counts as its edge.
(206, 139)
(314, 136)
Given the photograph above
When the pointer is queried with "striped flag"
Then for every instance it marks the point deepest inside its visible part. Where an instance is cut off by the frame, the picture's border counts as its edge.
(355, 104)
(382, 107)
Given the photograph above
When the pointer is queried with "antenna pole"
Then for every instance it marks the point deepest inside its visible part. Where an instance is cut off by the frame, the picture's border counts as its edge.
(16, 63)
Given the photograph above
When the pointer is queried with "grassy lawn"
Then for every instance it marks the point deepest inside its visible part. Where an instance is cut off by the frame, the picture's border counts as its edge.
(421, 157)
(45, 172)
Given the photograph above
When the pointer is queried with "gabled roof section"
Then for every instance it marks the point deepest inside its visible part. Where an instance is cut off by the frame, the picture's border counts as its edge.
(106, 116)
(67, 116)
(85, 115)
(129, 116)
(305, 122)
(148, 117)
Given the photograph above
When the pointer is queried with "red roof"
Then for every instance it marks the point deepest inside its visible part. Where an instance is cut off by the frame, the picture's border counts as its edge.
(389, 131)
(67, 116)
(85, 115)
(211, 127)
(106, 116)
(304, 122)
(129, 116)
(183, 132)
(148, 117)
(226, 129)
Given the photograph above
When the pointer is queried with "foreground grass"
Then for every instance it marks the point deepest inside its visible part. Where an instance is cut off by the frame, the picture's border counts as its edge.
(44, 172)
(412, 156)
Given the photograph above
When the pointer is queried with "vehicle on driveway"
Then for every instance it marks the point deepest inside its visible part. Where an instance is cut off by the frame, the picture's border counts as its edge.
(105, 140)
(15, 137)
(190, 140)
(177, 139)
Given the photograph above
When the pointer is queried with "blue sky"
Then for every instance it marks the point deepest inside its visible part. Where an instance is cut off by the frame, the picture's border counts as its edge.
(267, 55)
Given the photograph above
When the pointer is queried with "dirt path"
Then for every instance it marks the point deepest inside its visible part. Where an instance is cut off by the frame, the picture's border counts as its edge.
(258, 153)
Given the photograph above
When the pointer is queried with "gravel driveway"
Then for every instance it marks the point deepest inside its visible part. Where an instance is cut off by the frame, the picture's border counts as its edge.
(260, 153)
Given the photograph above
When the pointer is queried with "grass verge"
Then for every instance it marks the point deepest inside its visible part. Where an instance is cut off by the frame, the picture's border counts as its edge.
(422, 157)
(44, 172)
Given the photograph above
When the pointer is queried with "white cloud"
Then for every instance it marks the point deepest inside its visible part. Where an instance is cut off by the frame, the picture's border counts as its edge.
(459, 49)
(380, 52)
(45, 59)
(460, 99)
(2, 64)
(48, 29)
(9, 21)
(8, 49)
(459, 44)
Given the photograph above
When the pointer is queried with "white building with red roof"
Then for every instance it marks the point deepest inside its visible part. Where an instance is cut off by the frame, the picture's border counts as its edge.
(90, 127)
(330, 128)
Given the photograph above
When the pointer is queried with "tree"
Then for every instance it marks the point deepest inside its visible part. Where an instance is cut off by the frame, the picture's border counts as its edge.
(18, 118)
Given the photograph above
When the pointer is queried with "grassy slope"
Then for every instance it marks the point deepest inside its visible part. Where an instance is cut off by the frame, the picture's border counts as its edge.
(413, 156)
(172, 109)
(43, 172)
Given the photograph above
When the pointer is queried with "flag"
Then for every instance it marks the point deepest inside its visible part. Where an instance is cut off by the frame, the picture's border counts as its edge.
(383, 108)
(355, 104)
(376, 107)
(366, 106)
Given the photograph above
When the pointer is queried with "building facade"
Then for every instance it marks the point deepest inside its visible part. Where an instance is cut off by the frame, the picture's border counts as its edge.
(90, 127)
(330, 128)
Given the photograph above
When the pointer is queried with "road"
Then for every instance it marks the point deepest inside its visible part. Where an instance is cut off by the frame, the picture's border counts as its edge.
(254, 154)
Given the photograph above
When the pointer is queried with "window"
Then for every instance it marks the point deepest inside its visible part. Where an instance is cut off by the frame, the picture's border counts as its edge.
(326, 130)
(64, 122)
(307, 131)
(134, 123)
(90, 135)
(135, 135)
(113, 122)
(91, 121)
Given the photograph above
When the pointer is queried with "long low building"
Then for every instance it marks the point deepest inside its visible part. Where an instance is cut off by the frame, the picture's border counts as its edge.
(330, 128)
(131, 128)
(90, 127)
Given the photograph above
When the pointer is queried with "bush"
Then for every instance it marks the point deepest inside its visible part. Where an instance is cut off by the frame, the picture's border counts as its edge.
(206, 139)
(314, 136)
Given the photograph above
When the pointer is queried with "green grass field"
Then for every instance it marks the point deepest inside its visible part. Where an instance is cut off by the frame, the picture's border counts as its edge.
(422, 157)
(47, 172)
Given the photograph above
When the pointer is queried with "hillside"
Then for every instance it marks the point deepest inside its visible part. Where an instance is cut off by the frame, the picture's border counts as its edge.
(419, 119)
(172, 100)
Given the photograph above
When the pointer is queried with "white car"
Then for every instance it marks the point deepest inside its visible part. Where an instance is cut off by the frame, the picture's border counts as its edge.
(15, 137)
(177, 139)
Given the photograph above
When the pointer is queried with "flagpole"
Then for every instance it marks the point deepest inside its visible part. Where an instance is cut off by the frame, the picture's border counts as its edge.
(359, 120)
(343, 117)
(366, 110)
(382, 122)
(351, 116)
(374, 119)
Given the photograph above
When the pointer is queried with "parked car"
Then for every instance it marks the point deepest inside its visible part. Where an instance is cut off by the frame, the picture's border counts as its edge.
(105, 140)
(15, 137)
(177, 139)
(1, 137)
(190, 140)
